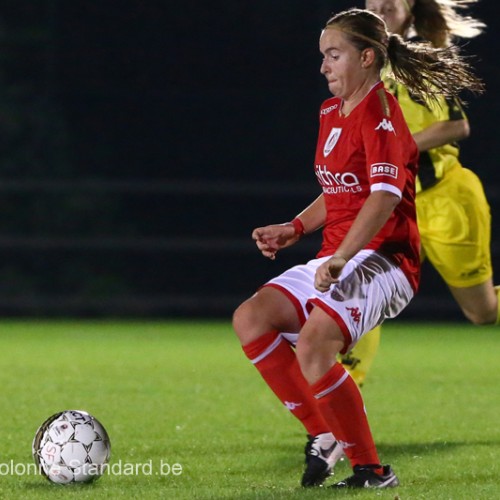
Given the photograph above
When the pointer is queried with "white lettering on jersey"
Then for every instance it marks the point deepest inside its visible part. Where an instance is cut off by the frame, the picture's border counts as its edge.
(346, 182)
(331, 141)
(386, 169)
(386, 125)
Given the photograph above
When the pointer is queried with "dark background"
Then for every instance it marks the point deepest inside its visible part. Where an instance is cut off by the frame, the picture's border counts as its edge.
(141, 143)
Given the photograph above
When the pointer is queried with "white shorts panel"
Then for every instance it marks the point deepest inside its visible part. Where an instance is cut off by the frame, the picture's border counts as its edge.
(371, 289)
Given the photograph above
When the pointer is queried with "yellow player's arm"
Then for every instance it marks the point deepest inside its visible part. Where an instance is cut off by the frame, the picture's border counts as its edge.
(441, 133)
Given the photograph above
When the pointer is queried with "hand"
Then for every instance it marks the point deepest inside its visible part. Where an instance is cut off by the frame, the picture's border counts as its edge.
(329, 272)
(272, 238)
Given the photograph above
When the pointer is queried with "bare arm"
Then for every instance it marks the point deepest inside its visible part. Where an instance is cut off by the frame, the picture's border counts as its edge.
(375, 212)
(270, 239)
(441, 133)
(313, 217)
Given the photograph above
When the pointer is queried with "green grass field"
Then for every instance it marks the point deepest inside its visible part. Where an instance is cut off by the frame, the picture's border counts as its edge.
(183, 393)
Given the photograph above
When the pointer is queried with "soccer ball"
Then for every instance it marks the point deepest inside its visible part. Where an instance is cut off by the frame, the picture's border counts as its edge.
(71, 446)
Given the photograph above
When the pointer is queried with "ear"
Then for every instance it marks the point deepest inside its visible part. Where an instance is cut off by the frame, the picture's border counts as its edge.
(367, 57)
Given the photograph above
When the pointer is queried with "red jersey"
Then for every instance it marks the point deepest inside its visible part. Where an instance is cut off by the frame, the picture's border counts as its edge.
(370, 149)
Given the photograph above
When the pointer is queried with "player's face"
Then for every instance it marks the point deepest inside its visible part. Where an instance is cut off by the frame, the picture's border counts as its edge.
(342, 63)
(393, 12)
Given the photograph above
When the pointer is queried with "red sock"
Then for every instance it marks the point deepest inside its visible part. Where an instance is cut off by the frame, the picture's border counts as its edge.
(341, 404)
(275, 359)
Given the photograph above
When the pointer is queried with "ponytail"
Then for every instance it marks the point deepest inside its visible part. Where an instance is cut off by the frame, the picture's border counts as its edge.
(429, 71)
(426, 71)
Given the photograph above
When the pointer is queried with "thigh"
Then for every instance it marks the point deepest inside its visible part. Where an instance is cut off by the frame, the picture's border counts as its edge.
(455, 225)
(371, 289)
(279, 305)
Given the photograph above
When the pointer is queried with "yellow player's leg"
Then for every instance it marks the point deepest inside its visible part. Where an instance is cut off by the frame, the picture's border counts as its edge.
(454, 221)
(479, 303)
(359, 361)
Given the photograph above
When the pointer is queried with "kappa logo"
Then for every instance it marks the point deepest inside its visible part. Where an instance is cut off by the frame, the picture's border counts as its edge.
(329, 109)
(386, 124)
(355, 313)
(331, 141)
(291, 405)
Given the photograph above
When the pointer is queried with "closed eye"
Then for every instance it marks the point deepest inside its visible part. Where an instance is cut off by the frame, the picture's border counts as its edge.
(330, 57)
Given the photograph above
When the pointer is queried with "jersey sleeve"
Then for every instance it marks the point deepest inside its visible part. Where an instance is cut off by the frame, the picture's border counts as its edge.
(385, 137)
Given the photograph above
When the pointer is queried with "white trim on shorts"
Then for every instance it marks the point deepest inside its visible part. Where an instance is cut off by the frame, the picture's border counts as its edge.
(371, 289)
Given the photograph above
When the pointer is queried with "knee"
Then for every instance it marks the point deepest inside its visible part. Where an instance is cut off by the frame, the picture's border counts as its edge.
(319, 343)
(315, 357)
(481, 319)
(305, 357)
(481, 316)
(240, 318)
(244, 322)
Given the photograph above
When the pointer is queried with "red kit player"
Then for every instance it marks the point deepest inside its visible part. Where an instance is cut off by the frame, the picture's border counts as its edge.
(367, 269)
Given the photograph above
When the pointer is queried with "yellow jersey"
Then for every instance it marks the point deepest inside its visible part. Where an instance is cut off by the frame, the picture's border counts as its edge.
(433, 163)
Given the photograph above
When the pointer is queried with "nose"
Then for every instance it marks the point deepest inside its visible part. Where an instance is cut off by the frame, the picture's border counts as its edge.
(323, 68)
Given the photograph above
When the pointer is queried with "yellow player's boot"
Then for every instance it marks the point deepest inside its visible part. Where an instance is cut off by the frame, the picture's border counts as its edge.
(359, 361)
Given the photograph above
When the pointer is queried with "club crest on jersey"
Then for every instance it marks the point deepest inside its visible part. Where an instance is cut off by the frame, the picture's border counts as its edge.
(331, 141)
(386, 124)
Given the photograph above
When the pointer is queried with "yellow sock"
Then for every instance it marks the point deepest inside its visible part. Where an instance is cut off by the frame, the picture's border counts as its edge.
(360, 359)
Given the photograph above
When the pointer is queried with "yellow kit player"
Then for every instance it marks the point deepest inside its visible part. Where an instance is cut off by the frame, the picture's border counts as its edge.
(452, 211)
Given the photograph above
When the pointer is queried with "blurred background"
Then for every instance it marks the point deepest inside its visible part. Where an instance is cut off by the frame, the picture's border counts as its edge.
(141, 143)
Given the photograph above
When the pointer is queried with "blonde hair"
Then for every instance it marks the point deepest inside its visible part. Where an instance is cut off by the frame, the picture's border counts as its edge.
(439, 21)
(425, 70)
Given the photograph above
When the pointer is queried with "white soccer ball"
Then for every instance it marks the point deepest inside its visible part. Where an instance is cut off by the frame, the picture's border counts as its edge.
(71, 446)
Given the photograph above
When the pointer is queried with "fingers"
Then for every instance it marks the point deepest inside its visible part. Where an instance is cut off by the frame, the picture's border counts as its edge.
(322, 288)
(258, 234)
(271, 239)
(263, 245)
(270, 255)
(322, 278)
(322, 281)
(266, 243)
(335, 266)
(328, 273)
